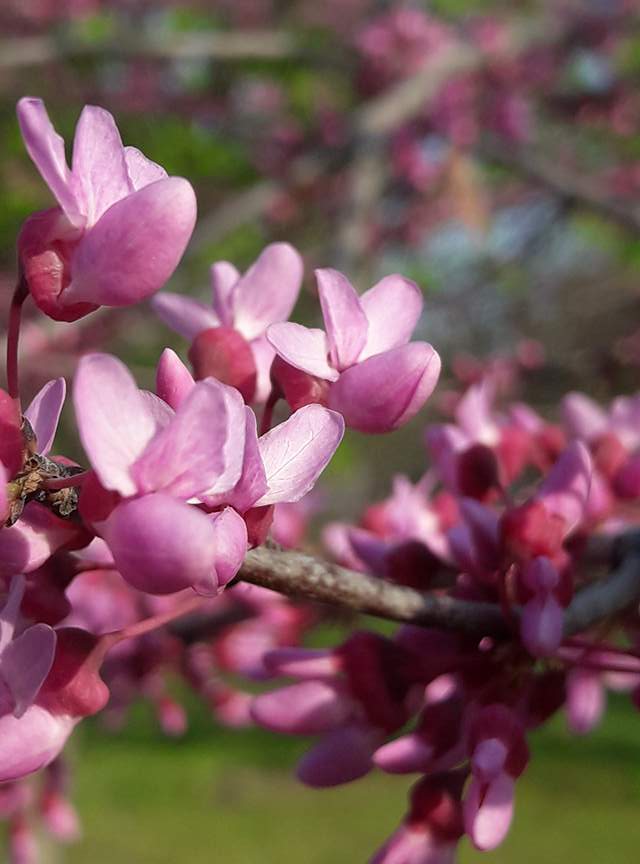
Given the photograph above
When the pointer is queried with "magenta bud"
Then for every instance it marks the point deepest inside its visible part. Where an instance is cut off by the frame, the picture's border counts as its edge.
(299, 388)
(627, 480)
(223, 353)
(11, 440)
(477, 472)
(46, 244)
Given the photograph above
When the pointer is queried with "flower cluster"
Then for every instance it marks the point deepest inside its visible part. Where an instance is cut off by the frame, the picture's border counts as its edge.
(129, 567)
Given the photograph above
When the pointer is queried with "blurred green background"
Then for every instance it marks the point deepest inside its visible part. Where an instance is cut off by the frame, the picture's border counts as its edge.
(536, 267)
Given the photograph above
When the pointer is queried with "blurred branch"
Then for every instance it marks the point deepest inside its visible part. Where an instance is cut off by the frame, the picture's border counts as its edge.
(18, 52)
(573, 189)
(301, 576)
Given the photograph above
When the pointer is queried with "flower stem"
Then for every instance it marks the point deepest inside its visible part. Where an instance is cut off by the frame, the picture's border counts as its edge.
(13, 335)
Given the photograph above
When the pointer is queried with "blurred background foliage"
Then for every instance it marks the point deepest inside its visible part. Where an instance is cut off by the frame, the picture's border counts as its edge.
(511, 197)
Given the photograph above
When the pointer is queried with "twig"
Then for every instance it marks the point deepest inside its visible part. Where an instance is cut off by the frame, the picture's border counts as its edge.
(301, 576)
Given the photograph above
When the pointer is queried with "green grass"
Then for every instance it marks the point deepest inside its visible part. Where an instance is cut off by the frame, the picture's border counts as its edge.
(223, 796)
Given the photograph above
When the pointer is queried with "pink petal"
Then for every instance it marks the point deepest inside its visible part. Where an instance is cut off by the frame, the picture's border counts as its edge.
(296, 452)
(393, 308)
(233, 444)
(308, 708)
(474, 416)
(263, 355)
(99, 167)
(339, 757)
(487, 817)
(44, 413)
(142, 171)
(188, 456)
(385, 391)
(541, 625)
(135, 246)
(253, 480)
(32, 741)
(25, 663)
(32, 540)
(10, 611)
(114, 422)
(46, 149)
(161, 545)
(586, 698)
(565, 491)
(344, 319)
(4, 500)
(268, 291)
(161, 413)
(303, 662)
(186, 316)
(304, 348)
(224, 277)
(416, 844)
(230, 539)
(173, 379)
(583, 417)
(408, 754)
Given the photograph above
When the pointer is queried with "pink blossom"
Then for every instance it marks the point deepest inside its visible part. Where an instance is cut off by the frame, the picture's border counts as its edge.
(363, 365)
(121, 224)
(499, 754)
(150, 461)
(228, 338)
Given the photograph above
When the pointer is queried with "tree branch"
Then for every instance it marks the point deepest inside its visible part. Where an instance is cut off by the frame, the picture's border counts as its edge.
(303, 577)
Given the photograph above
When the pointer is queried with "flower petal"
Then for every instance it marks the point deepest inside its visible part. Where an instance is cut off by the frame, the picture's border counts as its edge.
(393, 307)
(583, 417)
(135, 246)
(339, 757)
(487, 817)
(141, 170)
(44, 413)
(307, 708)
(33, 539)
(10, 611)
(565, 490)
(114, 422)
(230, 538)
(253, 480)
(268, 291)
(46, 149)
(223, 279)
(161, 545)
(25, 663)
(173, 379)
(305, 348)
(188, 455)
(385, 391)
(344, 318)
(296, 452)
(32, 741)
(99, 167)
(186, 316)
(263, 356)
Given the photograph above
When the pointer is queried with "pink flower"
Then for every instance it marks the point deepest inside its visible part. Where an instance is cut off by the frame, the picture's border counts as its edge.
(150, 461)
(542, 613)
(363, 366)
(27, 738)
(279, 467)
(499, 754)
(228, 338)
(121, 224)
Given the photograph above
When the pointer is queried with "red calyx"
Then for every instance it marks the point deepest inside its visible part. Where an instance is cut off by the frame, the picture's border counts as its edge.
(529, 531)
(45, 245)
(478, 472)
(298, 387)
(11, 439)
(73, 686)
(223, 353)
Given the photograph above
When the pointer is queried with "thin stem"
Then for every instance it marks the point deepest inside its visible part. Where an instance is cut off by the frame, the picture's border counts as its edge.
(267, 414)
(148, 625)
(13, 336)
